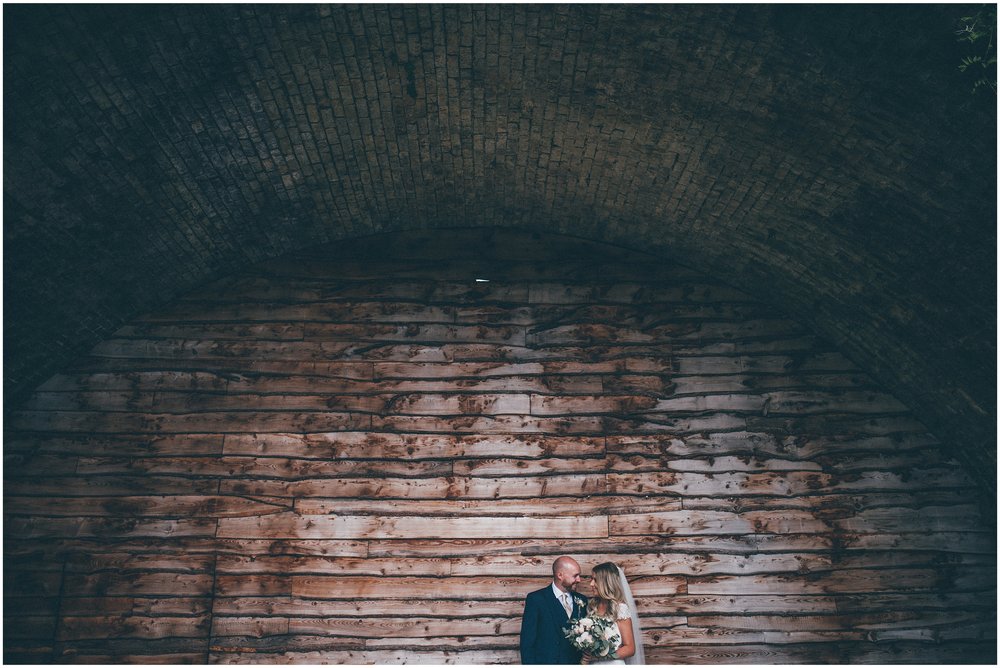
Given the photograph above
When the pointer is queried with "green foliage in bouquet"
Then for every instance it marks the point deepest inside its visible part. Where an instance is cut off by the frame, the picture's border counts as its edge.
(597, 636)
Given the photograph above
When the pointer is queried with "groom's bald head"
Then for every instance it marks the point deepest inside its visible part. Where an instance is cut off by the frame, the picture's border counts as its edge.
(562, 563)
(566, 573)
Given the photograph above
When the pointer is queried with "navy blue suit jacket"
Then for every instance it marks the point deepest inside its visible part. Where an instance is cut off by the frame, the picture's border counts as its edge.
(542, 639)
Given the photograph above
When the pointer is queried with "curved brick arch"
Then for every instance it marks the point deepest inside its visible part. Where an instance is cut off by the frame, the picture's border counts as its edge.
(826, 160)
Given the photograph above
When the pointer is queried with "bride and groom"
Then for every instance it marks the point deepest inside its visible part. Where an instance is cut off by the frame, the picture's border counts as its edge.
(549, 611)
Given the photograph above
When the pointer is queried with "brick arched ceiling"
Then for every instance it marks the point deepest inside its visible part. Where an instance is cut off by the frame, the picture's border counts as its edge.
(829, 160)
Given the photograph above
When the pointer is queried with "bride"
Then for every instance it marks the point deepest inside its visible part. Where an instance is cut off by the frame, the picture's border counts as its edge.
(613, 600)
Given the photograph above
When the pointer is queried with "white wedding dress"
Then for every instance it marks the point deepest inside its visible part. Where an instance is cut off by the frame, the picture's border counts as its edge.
(621, 613)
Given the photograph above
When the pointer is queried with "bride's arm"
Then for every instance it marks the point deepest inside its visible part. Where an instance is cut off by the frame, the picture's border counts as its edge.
(628, 639)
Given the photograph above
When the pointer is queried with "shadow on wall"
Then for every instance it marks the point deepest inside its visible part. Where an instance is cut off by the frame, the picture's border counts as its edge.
(363, 454)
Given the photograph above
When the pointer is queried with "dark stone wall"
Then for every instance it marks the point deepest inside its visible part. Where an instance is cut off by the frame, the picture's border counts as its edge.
(831, 161)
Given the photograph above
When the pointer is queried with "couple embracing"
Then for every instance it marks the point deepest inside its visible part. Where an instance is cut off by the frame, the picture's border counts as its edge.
(562, 626)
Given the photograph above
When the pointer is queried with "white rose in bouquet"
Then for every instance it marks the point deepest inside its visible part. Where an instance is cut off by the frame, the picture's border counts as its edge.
(594, 635)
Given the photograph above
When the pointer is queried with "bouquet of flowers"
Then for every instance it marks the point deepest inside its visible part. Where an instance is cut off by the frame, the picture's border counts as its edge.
(597, 635)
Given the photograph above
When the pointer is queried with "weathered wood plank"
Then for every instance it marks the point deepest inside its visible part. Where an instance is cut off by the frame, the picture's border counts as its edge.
(327, 608)
(509, 466)
(89, 401)
(289, 525)
(631, 293)
(73, 606)
(409, 627)
(167, 658)
(299, 565)
(267, 645)
(781, 483)
(496, 507)
(42, 551)
(618, 405)
(641, 384)
(266, 331)
(869, 603)
(831, 506)
(651, 563)
(598, 333)
(635, 565)
(144, 506)
(138, 584)
(132, 626)
(713, 522)
(926, 458)
(816, 653)
(928, 518)
(799, 447)
(253, 585)
(865, 622)
(698, 385)
(792, 344)
(844, 582)
(207, 349)
(459, 404)
(486, 588)
(121, 446)
(90, 562)
(110, 485)
(200, 402)
(325, 331)
(457, 370)
(712, 464)
(263, 467)
(369, 445)
(750, 606)
(417, 333)
(768, 403)
(62, 527)
(136, 381)
(321, 311)
(462, 643)
(714, 544)
(422, 488)
(150, 647)
(210, 422)
(818, 425)
(488, 656)
(254, 627)
(583, 425)
(565, 384)
(219, 355)
(347, 369)
(726, 365)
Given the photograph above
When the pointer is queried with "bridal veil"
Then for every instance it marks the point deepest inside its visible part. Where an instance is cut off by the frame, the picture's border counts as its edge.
(639, 658)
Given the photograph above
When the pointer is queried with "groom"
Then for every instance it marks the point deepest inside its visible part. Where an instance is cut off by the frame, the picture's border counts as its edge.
(547, 611)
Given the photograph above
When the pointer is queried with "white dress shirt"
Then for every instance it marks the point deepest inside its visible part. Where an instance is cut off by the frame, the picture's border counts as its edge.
(563, 597)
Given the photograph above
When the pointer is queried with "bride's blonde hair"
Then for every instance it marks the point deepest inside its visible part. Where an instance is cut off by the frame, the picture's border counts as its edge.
(607, 588)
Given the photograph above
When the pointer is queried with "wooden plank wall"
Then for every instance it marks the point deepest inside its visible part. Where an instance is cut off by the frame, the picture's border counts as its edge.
(360, 454)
